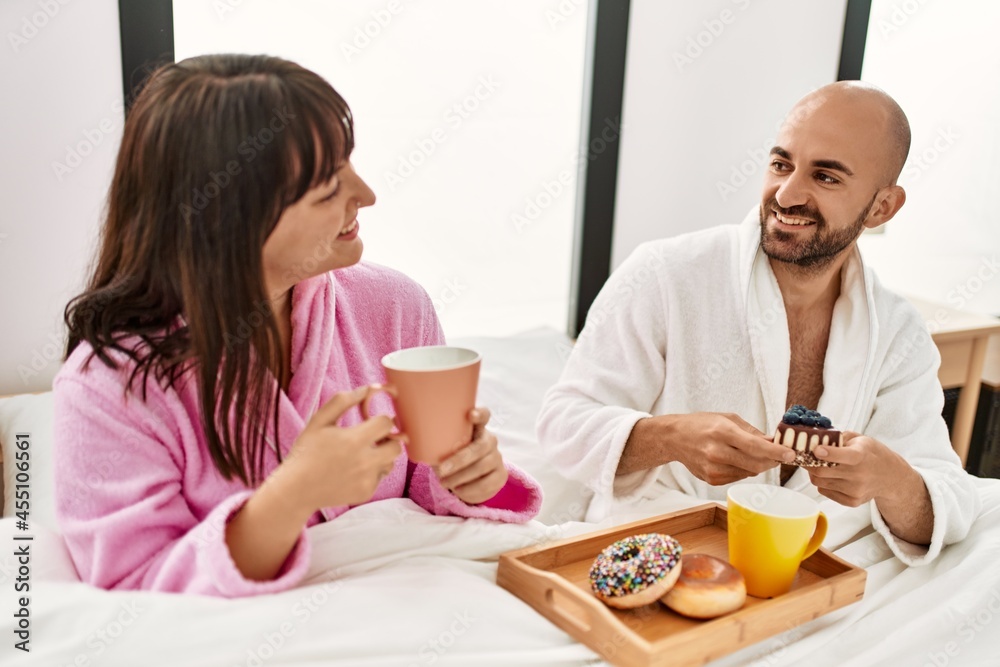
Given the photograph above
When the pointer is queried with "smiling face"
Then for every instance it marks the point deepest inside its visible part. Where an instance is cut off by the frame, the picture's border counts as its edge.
(829, 177)
(317, 233)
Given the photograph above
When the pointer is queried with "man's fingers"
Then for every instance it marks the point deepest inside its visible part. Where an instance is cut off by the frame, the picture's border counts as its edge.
(752, 464)
(761, 447)
(822, 475)
(845, 499)
(745, 426)
(720, 474)
(842, 455)
(844, 490)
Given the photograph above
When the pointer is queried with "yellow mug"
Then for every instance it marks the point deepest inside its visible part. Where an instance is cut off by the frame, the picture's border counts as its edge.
(771, 531)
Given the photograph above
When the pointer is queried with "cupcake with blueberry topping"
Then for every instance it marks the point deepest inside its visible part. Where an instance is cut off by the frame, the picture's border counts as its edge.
(804, 430)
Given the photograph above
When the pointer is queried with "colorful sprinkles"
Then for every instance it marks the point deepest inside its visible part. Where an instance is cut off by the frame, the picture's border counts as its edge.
(633, 564)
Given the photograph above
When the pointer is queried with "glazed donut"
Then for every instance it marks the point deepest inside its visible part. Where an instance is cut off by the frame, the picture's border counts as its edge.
(636, 570)
(708, 587)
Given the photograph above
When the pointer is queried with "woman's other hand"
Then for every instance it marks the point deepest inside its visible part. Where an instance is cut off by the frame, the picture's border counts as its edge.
(476, 472)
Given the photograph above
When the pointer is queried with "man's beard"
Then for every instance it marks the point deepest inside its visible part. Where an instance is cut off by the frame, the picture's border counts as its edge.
(817, 253)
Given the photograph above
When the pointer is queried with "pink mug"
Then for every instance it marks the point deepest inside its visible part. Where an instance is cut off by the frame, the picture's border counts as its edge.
(433, 389)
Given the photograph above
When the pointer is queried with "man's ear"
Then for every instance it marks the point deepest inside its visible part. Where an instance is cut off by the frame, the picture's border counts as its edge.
(887, 203)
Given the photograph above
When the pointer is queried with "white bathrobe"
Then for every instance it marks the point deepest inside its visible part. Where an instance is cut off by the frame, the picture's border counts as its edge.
(696, 323)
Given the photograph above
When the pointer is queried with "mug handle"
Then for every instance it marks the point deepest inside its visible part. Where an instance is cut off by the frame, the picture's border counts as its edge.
(817, 539)
(373, 390)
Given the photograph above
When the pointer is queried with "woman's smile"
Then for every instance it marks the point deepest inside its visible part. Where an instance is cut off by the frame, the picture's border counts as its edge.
(349, 232)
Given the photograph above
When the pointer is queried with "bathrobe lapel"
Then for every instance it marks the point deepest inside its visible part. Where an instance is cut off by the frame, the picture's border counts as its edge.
(851, 348)
(313, 333)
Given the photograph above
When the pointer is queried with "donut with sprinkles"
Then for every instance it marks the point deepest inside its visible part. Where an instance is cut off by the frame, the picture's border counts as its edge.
(636, 571)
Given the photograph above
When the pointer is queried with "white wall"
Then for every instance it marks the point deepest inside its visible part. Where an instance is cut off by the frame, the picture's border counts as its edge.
(706, 86)
(61, 73)
(944, 245)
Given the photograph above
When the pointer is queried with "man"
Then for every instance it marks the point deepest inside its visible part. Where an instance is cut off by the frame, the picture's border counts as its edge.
(698, 344)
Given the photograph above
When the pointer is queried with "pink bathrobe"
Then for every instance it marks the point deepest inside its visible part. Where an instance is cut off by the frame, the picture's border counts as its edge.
(141, 504)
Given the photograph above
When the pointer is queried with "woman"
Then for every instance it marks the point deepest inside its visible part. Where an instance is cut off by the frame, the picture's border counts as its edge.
(206, 413)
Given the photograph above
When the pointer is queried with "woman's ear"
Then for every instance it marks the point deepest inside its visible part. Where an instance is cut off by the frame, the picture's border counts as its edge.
(889, 200)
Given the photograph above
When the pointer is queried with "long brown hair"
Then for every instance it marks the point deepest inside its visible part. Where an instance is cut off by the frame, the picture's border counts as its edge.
(214, 149)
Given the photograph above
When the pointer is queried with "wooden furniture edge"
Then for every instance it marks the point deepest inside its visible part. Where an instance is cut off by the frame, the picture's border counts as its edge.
(984, 330)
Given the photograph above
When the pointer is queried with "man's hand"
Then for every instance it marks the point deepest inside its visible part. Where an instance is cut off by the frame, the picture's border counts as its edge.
(717, 448)
(868, 470)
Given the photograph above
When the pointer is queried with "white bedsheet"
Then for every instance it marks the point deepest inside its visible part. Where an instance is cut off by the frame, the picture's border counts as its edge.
(392, 585)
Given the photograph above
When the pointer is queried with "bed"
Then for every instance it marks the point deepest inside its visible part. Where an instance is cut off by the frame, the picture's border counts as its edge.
(414, 589)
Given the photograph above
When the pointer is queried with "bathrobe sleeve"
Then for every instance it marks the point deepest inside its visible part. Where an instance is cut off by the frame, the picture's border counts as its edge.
(517, 502)
(611, 380)
(127, 526)
(907, 418)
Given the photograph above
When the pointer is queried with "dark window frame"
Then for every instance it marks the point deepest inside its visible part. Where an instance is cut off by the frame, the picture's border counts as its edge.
(147, 41)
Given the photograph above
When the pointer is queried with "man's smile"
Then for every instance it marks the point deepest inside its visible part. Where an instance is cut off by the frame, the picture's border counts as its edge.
(791, 221)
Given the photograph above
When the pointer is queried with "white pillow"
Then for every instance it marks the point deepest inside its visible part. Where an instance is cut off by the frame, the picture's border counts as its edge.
(31, 414)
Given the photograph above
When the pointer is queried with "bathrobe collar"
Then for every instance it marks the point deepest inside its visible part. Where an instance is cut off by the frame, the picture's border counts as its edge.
(847, 369)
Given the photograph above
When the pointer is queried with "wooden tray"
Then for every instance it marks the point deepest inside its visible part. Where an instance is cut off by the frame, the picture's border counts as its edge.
(554, 580)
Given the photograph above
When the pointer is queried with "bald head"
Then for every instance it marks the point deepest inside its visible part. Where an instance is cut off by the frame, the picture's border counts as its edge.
(871, 111)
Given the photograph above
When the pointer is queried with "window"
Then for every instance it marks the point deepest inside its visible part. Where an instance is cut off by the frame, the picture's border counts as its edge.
(468, 122)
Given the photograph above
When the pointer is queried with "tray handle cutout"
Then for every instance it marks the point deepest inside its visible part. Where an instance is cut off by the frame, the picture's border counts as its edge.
(570, 610)
(582, 611)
